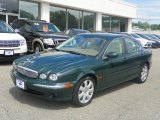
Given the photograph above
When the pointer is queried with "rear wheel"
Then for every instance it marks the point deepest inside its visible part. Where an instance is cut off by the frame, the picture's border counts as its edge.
(37, 48)
(84, 92)
(143, 74)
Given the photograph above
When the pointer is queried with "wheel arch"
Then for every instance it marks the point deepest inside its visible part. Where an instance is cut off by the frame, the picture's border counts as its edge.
(89, 73)
(148, 63)
(37, 41)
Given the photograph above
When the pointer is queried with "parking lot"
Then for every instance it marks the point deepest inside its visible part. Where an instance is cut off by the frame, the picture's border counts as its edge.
(128, 101)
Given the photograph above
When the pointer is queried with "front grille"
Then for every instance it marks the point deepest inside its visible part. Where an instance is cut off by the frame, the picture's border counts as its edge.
(58, 41)
(27, 72)
(9, 43)
(34, 92)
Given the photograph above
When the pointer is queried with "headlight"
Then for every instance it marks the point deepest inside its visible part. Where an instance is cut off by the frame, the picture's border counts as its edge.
(43, 76)
(48, 41)
(53, 77)
(22, 42)
(152, 41)
(14, 65)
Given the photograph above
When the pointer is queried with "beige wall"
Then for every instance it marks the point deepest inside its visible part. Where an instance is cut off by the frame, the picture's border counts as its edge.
(113, 7)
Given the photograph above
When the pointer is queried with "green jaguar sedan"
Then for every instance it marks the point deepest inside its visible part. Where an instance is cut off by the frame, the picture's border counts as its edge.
(81, 66)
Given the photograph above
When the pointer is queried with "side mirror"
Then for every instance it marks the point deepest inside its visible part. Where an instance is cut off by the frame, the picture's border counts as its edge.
(112, 55)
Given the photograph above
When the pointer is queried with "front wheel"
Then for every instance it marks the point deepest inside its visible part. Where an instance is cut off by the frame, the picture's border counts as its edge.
(143, 74)
(84, 92)
(37, 48)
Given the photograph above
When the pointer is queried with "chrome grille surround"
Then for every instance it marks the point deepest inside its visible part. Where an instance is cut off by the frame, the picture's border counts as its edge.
(27, 72)
(9, 43)
(58, 41)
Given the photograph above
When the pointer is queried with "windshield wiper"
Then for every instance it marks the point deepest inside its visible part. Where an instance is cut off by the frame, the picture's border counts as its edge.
(72, 52)
(77, 53)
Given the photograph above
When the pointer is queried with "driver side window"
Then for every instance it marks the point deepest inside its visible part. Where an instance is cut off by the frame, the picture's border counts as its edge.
(116, 46)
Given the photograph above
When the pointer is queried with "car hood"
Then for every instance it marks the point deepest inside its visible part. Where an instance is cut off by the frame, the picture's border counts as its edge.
(11, 36)
(53, 62)
(53, 35)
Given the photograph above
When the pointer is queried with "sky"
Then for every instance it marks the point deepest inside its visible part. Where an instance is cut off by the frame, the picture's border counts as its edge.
(149, 9)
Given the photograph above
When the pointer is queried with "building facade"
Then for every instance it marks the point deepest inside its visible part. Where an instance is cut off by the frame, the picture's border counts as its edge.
(99, 15)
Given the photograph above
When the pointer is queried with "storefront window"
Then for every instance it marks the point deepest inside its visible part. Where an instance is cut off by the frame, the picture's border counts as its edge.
(3, 18)
(123, 22)
(65, 18)
(88, 20)
(11, 18)
(9, 6)
(74, 18)
(29, 10)
(115, 24)
(58, 17)
(106, 23)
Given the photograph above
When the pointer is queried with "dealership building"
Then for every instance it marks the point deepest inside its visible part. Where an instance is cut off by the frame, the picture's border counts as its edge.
(99, 15)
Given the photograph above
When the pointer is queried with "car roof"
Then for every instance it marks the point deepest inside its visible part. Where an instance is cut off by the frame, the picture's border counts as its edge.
(78, 29)
(104, 35)
(32, 21)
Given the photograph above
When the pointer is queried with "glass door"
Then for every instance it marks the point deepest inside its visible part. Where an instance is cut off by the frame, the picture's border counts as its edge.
(3, 17)
(11, 18)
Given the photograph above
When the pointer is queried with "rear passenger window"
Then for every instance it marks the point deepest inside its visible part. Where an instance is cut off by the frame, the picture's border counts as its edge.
(131, 45)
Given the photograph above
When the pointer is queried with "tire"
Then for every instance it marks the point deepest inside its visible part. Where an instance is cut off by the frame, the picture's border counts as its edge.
(84, 92)
(143, 74)
(37, 48)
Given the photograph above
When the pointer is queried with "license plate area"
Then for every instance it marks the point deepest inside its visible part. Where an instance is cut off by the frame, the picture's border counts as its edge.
(8, 52)
(20, 84)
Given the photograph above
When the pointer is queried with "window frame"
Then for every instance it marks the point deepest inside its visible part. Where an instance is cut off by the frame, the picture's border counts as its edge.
(138, 46)
(123, 46)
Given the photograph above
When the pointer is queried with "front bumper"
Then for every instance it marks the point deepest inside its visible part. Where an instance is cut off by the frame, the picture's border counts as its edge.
(17, 51)
(43, 88)
(156, 45)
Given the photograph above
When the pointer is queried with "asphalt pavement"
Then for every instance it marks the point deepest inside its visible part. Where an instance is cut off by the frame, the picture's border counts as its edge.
(127, 101)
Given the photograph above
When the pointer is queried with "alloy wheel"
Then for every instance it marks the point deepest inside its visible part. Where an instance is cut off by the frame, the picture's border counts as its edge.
(144, 73)
(85, 91)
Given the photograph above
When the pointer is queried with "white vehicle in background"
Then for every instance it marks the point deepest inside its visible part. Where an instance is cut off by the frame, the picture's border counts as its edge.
(145, 43)
(12, 45)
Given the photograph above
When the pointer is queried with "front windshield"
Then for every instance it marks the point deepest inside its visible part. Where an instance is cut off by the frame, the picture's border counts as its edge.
(5, 28)
(145, 36)
(153, 37)
(83, 44)
(44, 27)
(135, 36)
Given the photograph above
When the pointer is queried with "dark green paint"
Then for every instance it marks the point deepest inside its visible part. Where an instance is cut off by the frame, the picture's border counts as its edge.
(70, 68)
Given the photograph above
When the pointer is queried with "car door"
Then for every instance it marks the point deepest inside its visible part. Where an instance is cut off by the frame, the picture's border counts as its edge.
(26, 32)
(114, 69)
(133, 57)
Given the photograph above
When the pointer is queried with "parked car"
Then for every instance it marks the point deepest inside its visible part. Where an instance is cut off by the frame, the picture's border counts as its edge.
(153, 37)
(12, 45)
(158, 36)
(155, 43)
(145, 43)
(40, 35)
(76, 70)
(73, 31)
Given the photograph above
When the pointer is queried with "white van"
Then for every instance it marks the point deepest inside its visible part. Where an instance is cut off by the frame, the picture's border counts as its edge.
(12, 45)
